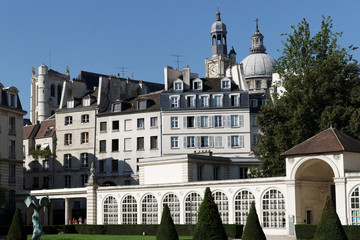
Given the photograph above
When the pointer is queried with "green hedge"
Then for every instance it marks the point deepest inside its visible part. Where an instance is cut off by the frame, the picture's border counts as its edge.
(307, 231)
(231, 230)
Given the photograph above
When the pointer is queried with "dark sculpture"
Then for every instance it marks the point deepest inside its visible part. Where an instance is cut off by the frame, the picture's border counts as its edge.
(31, 201)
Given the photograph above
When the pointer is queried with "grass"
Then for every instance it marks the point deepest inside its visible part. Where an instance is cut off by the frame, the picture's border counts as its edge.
(98, 237)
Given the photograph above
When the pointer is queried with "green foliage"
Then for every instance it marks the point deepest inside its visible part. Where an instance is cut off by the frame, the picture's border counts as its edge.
(209, 226)
(305, 231)
(17, 230)
(329, 226)
(166, 230)
(322, 90)
(253, 230)
(40, 153)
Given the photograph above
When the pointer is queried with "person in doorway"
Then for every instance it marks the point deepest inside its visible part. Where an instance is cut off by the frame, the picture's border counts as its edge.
(73, 221)
(80, 220)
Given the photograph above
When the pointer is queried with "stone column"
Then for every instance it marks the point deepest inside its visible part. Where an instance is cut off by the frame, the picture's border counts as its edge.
(51, 214)
(91, 204)
(341, 199)
(68, 211)
(291, 205)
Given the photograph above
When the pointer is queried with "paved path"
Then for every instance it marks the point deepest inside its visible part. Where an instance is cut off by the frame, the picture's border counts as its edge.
(280, 237)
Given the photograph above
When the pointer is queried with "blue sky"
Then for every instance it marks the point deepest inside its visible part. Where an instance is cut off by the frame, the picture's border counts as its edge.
(102, 36)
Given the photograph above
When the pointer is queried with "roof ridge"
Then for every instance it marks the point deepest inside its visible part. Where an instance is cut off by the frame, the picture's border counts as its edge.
(337, 138)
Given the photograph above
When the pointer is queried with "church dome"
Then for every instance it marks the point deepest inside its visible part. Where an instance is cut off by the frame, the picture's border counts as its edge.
(258, 64)
(218, 25)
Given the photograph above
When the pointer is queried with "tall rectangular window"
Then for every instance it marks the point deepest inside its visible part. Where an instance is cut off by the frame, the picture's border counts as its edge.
(86, 102)
(190, 122)
(204, 121)
(174, 102)
(190, 101)
(174, 142)
(114, 166)
(103, 126)
(115, 126)
(235, 141)
(84, 158)
(153, 142)
(141, 105)
(45, 164)
(85, 118)
(84, 179)
(102, 166)
(253, 121)
(68, 139)
(115, 145)
(204, 141)
(174, 122)
(102, 145)
(243, 172)
(234, 120)
(12, 149)
(140, 143)
(67, 181)
(234, 100)
(190, 142)
(153, 122)
(200, 170)
(218, 122)
(84, 137)
(204, 101)
(12, 125)
(140, 123)
(67, 161)
(68, 120)
(12, 171)
(218, 101)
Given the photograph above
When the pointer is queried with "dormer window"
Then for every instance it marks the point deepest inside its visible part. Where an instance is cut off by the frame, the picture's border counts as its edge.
(204, 101)
(218, 100)
(197, 84)
(178, 85)
(86, 102)
(70, 104)
(116, 107)
(235, 100)
(174, 101)
(12, 100)
(191, 101)
(141, 105)
(225, 84)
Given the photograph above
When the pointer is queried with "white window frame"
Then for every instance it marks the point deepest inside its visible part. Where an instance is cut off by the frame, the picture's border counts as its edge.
(149, 210)
(222, 203)
(236, 102)
(129, 210)
(225, 83)
(218, 121)
(67, 161)
(86, 102)
(68, 120)
(192, 101)
(84, 158)
(174, 142)
(174, 101)
(192, 205)
(204, 121)
(243, 202)
(198, 80)
(217, 100)
(70, 104)
(178, 85)
(273, 209)
(85, 118)
(204, 104)
(172, 201)
(174, 122)
(153, 122)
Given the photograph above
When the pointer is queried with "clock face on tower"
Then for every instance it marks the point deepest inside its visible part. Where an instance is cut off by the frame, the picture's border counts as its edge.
(213, 70)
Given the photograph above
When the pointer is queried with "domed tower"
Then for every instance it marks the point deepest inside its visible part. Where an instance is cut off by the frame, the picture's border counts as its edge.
(258, 65)
(219, 61)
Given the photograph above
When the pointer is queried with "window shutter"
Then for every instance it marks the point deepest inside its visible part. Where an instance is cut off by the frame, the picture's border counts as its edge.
(226, 121)
(198, 120)
(220, 141)
(229, 141)
(211, 141)
(185, 143)
(197, 141)
(184, 121)
(211, 119)
(241, 141)
(241, 120)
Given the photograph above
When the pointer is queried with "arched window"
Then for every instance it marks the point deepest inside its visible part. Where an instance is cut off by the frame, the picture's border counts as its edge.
(213, 40)
(273, 205)
(110, 211)
(355, 207)
(129, 210)
(223, 206)
(192, 205)
(218, 39)
(52, 90)
(149, 210)
(174, 206)
(59, 90)
(243, 202)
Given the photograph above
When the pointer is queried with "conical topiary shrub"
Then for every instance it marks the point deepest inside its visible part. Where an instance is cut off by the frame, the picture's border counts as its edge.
(329, 227)
(166, 230)
(17, 230)
(209, 226)
(253, 230)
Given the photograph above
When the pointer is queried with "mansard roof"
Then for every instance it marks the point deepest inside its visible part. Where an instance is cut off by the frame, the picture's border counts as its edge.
(45, 129)
(329, 140)
(27, 131)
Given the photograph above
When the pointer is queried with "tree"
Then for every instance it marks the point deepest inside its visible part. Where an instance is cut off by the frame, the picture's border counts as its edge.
(322, 90)
(209, 226)
(17, 230)
(166, 230)
(253, 230)
(329, 227)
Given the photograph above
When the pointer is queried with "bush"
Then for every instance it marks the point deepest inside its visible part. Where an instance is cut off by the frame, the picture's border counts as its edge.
(305, 231)
(17, 230)
(352, 232)
(209, 226)
(166, 230)
(329, 226)
(253, 230)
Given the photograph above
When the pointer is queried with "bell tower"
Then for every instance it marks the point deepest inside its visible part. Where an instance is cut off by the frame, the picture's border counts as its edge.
(218, 63)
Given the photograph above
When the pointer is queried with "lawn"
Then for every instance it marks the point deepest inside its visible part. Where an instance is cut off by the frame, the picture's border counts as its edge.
(98, 237)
